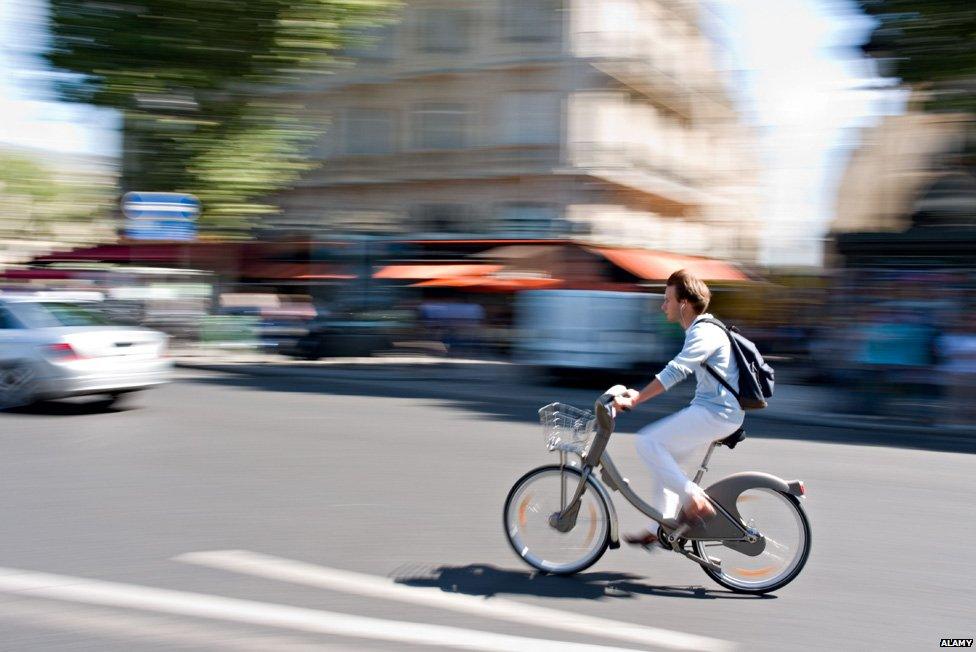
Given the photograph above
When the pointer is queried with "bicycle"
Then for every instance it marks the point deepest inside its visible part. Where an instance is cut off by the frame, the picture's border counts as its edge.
(560, 519)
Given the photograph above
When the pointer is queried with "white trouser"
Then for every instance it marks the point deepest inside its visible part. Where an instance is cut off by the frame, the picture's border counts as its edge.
(665, 444)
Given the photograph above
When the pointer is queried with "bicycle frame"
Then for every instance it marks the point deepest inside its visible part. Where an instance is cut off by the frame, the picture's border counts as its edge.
(729, 529)
(612, 478)
(566, 427)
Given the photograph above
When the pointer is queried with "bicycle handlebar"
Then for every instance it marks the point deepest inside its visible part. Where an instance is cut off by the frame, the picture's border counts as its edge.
(606, 415)
(606, 402)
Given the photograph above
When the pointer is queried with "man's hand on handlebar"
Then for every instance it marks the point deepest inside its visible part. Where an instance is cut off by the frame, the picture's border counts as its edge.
(627, 400)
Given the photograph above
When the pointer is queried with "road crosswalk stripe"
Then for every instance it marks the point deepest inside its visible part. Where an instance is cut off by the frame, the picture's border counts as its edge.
(251, 563)
(132, 596)
(167, 630)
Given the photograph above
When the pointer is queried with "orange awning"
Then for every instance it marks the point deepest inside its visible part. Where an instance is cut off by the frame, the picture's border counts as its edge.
(408, 272)
(659, 265)
(491, 283)
(294, 271)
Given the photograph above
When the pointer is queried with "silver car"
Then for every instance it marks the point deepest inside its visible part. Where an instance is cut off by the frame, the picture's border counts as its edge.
(55, 349)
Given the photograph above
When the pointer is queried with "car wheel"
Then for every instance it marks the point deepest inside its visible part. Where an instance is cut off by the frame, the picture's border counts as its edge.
(116, 400)
(18, 385)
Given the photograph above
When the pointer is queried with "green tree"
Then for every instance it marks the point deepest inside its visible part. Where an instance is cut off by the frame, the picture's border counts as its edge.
(37, 201)
(928, 44)
(21, 176)
(203, 87)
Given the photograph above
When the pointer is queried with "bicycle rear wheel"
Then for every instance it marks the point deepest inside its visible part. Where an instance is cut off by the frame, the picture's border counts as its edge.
(780, 519)
(533, 499)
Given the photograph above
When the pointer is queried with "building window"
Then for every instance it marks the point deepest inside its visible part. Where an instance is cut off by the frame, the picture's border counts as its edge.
(531, 20)
(439, 126)
(368, 131)
(371, 43)
(530, 219)
(442, 219)
(445, 30)
(378, 221)
(531, 119)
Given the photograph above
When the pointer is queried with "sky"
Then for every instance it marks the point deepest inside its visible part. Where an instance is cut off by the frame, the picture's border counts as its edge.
(29, 116)
(808, 90)
(802, 85)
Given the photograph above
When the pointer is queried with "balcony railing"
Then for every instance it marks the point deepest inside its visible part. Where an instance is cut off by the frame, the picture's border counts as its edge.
(471, 163)
(638, 62)
(632, 167)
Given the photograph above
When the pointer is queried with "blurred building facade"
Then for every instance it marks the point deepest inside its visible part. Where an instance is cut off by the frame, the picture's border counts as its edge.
(908, 196)
(602, 120)
(897, 159)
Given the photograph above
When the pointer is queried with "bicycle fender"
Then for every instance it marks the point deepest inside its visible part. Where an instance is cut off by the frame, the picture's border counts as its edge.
(726, 490)
(726, 493)
(614, 528)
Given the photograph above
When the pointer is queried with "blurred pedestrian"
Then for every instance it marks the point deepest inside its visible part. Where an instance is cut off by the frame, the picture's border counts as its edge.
(895, 354)
(458, 325)
(956, 349)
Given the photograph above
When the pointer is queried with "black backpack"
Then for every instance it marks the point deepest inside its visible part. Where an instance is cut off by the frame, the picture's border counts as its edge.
(756, 378)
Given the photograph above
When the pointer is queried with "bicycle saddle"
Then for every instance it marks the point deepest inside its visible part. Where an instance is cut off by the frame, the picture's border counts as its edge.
(734, 438)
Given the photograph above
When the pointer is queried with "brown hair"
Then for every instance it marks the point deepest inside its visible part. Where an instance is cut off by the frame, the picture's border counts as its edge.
(690, 288)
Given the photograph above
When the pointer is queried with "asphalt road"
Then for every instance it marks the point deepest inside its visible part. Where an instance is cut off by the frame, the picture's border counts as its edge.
(119, 528)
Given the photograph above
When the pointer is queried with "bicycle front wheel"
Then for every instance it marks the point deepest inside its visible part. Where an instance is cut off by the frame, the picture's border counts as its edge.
(538, 495)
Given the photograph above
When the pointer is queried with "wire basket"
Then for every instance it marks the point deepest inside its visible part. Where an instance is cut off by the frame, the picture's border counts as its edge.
(565, 423)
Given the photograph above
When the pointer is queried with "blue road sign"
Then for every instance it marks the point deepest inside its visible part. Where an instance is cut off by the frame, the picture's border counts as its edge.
(160, 215)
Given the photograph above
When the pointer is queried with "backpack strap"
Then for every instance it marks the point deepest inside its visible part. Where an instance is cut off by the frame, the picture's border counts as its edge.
(714, 373)
(709, 320)
(721, 380)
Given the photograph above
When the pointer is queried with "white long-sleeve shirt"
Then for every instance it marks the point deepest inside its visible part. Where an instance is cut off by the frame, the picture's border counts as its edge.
(706, 344)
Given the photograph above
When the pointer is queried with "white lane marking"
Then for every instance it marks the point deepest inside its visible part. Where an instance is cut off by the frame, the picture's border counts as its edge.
(132, 596)
(169, 630)
(243, 561)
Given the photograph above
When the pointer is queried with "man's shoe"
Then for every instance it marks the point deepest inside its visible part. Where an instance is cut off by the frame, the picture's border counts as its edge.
(643, 539)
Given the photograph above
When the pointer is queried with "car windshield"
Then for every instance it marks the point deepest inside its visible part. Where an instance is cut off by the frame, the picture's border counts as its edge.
(47, 315)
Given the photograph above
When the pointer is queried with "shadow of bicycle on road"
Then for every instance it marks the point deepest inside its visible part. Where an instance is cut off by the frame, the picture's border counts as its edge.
(489, 581)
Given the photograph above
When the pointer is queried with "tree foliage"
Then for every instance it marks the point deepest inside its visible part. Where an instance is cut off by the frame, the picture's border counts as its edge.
(203, 87)
(22, 176)
(929, 43)
(37, 199)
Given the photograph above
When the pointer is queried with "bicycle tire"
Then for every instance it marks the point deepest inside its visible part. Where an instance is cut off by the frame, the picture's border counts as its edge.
(513, 523)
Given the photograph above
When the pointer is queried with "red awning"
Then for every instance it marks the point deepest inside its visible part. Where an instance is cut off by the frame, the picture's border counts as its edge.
(117, 253)
(294, 271)
(659, 265)
(491, 283)
(36, 274)
(414, 272)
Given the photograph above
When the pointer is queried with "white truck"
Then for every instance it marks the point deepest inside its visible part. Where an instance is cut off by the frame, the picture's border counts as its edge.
(592, 329)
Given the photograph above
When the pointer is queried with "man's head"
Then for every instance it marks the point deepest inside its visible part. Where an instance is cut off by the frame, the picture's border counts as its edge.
(686, 296)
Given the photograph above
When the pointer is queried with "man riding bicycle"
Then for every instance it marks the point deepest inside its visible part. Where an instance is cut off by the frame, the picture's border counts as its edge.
(713, 414)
